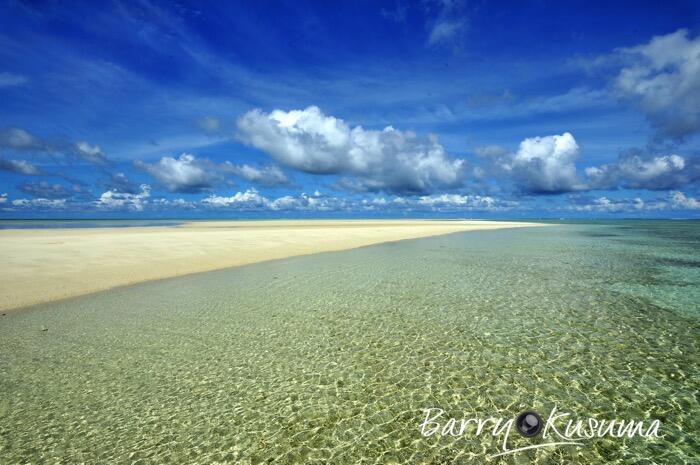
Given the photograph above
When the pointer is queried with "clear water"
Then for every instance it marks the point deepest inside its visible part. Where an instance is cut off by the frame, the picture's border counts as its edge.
(331, 358)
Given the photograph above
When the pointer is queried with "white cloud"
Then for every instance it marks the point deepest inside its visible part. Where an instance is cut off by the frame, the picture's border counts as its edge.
(190, 174)
(248, 199)
(606, 205)
(634, 172)
(11, 79)
(90, 153)
(114, 200)
(19, 166)
(183, 174)
(450, 20)
(680, 201)
(312, 142)
(3, 198)
(267, 175)
(443, 31)
(306, 202)
(251, 199)
(40, 203)
(675, 200)
(172, 203)
(464, 202)
(544, 165)
(663, 80)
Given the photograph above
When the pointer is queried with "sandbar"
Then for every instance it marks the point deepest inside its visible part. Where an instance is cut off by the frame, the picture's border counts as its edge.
(43, 265)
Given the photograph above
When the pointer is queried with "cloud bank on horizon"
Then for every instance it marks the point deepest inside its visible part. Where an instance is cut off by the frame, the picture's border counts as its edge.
(436, 108)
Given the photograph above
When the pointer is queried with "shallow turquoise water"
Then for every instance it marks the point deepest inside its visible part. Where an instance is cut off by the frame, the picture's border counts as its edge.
(331, 358)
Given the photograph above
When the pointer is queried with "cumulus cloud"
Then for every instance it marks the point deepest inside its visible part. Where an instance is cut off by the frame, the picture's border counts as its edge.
(3, 198)
(90, 153)
(636, 172)
(189, 174)
(306, 202)
(680, 201)
(114, 200)
(183, 174)
(663, 80)
(544, 165)
(19, 166)
(42, 204)
(464, 202)
(251, 199)
(674, 200)
(391, 160)
(248, 199)
(268, 175)
(172, 203)
(606, 205)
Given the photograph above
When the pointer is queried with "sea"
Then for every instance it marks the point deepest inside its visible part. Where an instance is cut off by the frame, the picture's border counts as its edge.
(334, 358)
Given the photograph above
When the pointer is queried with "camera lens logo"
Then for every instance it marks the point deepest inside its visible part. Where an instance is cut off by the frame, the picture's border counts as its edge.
(529, 424)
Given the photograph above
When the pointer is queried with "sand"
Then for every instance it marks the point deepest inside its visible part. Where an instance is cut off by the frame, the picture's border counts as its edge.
(42, 265)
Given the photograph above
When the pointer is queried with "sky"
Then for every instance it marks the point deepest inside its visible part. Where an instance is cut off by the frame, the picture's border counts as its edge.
(428, 108)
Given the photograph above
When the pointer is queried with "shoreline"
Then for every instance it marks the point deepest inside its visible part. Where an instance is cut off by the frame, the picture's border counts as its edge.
(46, 265)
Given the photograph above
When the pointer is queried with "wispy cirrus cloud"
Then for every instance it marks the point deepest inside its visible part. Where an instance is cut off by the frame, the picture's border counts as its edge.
(12, 79)
(449, 22)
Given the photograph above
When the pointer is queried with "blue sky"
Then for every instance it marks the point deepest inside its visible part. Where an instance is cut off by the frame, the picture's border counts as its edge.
(361, 109)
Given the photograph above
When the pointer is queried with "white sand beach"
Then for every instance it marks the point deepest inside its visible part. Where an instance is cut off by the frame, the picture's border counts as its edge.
(42, 265)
